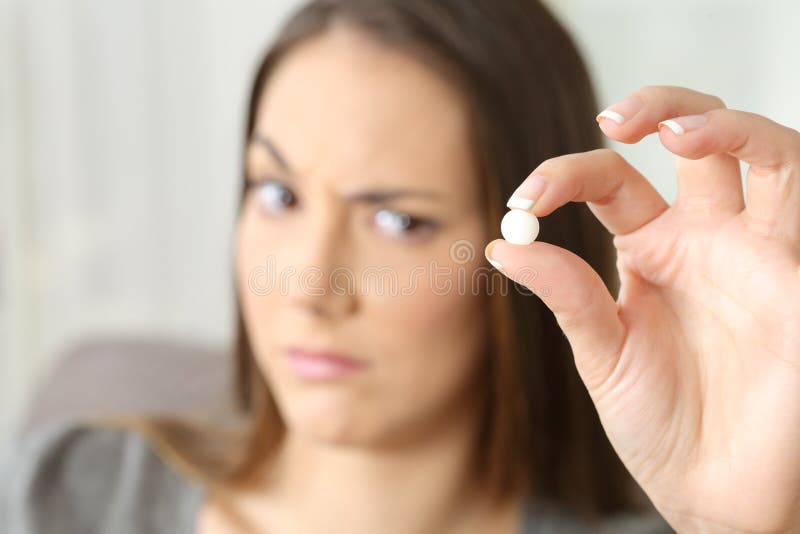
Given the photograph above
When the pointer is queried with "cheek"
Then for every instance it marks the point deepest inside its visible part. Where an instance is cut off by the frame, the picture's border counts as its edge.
(436, 337)
(248, 260)
(258, 250)
(256, 278)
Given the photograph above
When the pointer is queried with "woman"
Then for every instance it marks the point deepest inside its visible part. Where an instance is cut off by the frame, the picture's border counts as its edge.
(384, 137)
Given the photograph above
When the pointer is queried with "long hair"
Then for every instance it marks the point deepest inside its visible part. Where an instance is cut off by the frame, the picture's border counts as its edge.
(530, 98)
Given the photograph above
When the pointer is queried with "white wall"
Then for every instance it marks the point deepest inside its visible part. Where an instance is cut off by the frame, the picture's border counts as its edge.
(119, 140)
(745, 51)
(120, 125)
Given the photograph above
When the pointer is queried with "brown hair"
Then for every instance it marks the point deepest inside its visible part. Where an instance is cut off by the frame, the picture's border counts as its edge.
(530, 99)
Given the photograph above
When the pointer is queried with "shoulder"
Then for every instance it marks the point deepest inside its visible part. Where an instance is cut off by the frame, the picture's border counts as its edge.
(644, 523)
(76, 478)
(551, 518)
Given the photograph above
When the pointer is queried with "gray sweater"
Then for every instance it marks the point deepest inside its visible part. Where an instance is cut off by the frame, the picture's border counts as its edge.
(78, 479)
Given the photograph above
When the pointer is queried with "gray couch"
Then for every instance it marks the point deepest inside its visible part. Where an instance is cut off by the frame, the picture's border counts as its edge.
(101, 377)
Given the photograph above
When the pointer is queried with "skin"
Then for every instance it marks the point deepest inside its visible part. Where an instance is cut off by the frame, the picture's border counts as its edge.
(694, 368)
(389, 448)
(705, 333)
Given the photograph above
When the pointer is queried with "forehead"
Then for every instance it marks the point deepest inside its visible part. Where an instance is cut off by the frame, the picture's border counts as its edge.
(342, 104)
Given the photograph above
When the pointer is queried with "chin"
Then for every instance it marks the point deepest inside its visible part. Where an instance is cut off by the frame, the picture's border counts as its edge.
(328, 421)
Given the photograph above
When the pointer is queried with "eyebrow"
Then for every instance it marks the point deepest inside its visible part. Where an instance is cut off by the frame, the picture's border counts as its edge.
(377, 197)
(265, 142)
(366, 197)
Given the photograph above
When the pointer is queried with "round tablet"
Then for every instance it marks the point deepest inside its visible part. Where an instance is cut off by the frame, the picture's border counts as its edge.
(519, 227)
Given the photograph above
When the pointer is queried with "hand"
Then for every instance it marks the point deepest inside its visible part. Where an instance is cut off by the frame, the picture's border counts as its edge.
(695, 368)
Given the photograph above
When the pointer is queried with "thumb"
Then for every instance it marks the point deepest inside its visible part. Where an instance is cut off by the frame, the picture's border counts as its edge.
(577, 296)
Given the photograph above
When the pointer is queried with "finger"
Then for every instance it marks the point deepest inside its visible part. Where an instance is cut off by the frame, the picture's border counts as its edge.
(713, 183)
(639, 114)
(619, 196)
(771, 149)
(577, 296)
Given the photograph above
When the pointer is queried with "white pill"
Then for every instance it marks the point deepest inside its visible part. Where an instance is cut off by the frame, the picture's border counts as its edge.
(519, 227)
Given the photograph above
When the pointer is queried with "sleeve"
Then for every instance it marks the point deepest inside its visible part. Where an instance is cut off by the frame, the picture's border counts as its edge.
(60, 479)
(550, 518)
(5, 474)
(636, 524)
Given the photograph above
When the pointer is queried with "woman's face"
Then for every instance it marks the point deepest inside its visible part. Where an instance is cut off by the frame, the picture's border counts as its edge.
(357, 237)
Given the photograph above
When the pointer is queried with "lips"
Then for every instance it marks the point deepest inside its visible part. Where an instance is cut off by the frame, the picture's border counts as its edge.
(322, 364)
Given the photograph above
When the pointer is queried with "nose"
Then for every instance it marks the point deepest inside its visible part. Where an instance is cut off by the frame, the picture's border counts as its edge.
(323, 282)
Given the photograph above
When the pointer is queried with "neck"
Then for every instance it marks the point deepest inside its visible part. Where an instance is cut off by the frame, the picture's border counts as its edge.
(424, 485)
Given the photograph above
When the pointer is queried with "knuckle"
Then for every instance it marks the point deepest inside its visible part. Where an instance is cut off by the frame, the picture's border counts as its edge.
(557, 165)
(656, 93)
(566, 167)
(720, 112)
(714, 102)
(646, 93)
(612, 156)
(613, 161)
(794, 135)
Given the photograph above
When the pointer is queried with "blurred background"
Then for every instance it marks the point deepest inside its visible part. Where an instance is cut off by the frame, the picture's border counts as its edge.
(120, 139)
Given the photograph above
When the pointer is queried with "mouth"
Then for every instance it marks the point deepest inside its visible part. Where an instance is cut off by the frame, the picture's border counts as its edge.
(314, 364)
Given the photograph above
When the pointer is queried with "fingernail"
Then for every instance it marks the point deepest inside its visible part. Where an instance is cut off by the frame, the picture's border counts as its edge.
(528, 192)
(496, 264)
(681, 125)
(622, 111)
(488, 253)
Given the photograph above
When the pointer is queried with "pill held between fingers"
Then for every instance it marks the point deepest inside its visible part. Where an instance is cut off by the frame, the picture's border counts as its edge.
(519, 227)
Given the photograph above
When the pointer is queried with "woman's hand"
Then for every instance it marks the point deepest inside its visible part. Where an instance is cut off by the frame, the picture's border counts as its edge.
(695, 369)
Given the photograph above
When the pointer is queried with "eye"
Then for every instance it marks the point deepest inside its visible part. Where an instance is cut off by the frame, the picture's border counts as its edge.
(274, 197)
(397, 224)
